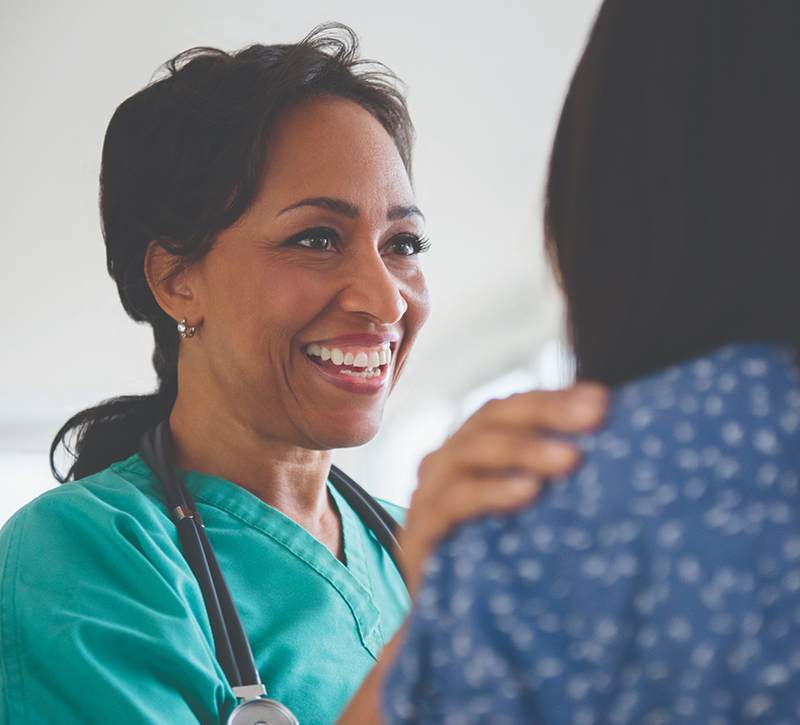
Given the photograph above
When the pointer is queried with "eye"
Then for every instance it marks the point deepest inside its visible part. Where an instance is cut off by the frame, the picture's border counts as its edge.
(322, 239)
(408, 245)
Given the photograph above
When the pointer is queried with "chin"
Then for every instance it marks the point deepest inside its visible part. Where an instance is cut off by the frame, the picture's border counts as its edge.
(347, 436)
(350, 441)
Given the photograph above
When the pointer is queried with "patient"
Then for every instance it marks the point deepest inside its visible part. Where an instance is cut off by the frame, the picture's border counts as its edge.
(661, 582)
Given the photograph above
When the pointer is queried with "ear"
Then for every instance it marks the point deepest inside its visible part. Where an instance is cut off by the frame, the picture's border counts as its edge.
(174, 290)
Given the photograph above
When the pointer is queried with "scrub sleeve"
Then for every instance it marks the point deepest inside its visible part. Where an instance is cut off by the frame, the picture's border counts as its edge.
(101, 619)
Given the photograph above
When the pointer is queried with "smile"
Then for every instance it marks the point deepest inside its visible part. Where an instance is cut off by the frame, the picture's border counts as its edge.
(361, 362)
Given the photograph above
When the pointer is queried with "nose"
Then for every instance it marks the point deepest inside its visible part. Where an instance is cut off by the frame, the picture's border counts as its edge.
(372, 289)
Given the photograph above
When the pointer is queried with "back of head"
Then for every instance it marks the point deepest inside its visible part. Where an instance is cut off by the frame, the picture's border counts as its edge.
(672, 201)
(183, 159)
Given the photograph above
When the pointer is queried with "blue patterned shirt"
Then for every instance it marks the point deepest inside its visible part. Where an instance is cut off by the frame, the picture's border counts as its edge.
(658, 584)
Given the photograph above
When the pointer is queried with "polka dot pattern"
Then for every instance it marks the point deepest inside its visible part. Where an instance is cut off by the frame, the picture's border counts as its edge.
(659, 584)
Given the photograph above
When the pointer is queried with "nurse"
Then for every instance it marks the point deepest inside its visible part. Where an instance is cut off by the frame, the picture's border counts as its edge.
(258, 213)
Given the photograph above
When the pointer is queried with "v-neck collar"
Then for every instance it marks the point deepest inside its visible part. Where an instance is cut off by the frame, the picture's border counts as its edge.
(351, 581)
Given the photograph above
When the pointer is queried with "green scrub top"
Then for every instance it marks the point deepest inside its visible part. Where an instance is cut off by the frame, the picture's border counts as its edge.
(102, 621)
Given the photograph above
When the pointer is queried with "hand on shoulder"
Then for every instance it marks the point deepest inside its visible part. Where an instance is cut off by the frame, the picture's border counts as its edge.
(496, 462)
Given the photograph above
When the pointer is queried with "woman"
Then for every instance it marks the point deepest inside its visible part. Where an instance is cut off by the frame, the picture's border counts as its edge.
(659, 583)
(258, 213)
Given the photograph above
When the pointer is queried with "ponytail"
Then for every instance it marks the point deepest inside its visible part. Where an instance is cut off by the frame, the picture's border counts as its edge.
(109, 432)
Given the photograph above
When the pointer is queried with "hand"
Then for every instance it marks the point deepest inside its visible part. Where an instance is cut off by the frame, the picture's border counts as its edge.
(496, 462)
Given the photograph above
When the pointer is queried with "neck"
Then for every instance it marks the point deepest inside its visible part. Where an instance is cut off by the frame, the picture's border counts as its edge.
(289, 478)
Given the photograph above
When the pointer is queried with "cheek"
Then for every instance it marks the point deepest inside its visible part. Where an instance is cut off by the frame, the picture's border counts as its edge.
(296, 294)
(265, 289)
(285, 305)
(419, 303)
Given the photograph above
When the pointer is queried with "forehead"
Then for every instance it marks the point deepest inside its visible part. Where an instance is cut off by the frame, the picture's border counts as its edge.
(334, 148)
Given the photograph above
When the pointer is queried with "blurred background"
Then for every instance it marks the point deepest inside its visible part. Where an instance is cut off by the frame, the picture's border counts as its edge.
(485, 83)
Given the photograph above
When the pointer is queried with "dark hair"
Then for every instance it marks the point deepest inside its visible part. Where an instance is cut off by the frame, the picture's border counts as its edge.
(182, 160)
(673, 200)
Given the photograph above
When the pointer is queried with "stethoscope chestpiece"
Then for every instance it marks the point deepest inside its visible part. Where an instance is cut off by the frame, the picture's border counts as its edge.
(261, 711)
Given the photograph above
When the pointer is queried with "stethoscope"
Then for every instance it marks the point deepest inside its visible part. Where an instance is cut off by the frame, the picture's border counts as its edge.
(233, 650)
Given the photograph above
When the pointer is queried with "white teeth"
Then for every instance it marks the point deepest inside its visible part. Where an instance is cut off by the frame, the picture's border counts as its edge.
(359, 359)
(366, 374)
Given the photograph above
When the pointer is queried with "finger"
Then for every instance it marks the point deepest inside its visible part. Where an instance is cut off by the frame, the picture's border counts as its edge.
(471, 494)
(575, 409)
(579, 408)
(471, 490)
(493, 453)
(482, 495)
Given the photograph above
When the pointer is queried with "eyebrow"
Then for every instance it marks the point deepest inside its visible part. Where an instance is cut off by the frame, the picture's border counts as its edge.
(346, 209)
(401, 212)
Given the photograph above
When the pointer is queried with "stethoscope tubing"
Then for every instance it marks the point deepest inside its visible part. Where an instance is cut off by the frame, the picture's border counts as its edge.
(233, 650)
(376, 518)
(230, 641)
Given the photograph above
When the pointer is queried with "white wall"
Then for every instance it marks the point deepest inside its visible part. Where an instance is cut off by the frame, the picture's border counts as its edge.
(486, 85)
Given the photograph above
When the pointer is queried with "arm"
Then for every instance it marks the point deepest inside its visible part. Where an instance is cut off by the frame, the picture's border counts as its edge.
(494, 462)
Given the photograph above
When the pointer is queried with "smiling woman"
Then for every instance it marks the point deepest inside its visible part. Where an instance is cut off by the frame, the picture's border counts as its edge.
(258, 213)
(326, 256)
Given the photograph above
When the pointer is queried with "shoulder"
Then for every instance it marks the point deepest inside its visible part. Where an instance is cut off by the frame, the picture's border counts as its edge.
(117, 507)
(718, 418)
(707, 442)
(125, 486)
(755, 382)
(90, 570)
